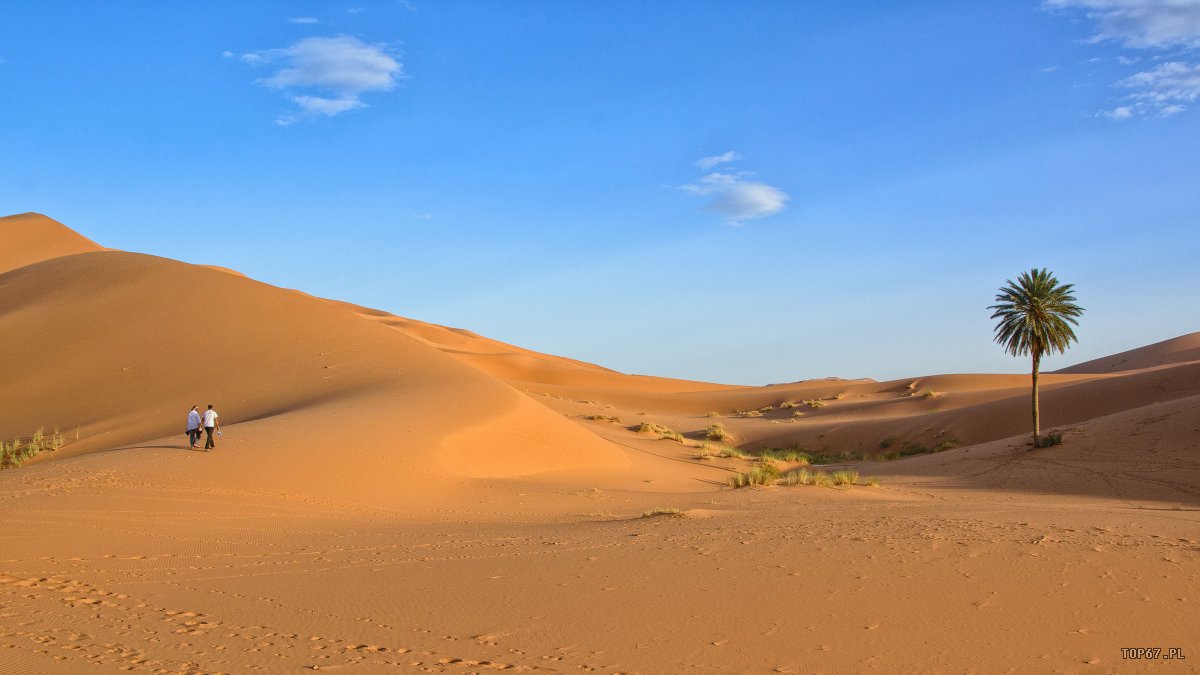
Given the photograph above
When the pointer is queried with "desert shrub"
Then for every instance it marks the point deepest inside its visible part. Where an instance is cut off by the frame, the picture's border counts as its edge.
(948, 444)
(763, 474)
(1052, 440)
(712, 414)
(845, 477)
(839, 396)
(804, 476)
(786, 455)
(815, 403)
(749, 413)
(650, 427)
(798, 477)
(766, 408)
(929, 393)
(603, 418)
(19, 451)
(729, 451)
(717, 432)
(909, 449)
(662, 511)
(891, 456)
(888, 442)
(671, 436)
(786, 405)
(872, 482)
(797, 453)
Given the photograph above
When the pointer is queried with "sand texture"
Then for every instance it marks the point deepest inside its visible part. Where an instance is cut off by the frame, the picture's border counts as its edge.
(396, 496)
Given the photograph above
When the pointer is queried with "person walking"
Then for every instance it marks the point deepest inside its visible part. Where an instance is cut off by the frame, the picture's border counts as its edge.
(193, 426)
(210, 424)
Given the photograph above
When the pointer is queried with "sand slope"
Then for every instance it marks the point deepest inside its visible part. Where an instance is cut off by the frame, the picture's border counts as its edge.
(120, 345)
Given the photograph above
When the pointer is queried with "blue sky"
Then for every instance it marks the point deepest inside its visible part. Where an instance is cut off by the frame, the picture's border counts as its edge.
(745, 192)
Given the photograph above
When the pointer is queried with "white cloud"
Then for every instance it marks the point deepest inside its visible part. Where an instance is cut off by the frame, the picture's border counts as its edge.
(1164, 90)
(304, 20)
(736, 198)
(709, 162)
(1141, 24)
(317, 105)
(326, 76)
(1148, 25)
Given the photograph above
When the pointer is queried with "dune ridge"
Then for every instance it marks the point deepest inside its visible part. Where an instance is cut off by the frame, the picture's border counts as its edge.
(27, 238)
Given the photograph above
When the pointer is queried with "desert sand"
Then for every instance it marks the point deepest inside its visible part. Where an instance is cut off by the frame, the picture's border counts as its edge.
(395, 496)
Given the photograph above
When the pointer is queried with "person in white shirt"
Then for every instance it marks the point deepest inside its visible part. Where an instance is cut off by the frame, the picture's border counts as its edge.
(210, 424)
(193, 426)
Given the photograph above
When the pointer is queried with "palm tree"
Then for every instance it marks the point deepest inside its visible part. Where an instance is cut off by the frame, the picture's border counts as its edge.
(1036, 314)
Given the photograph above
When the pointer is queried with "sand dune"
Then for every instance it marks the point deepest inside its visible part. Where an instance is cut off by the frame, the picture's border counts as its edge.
(31, 237)
(120, 345)
(392, 495)
(1175, 351)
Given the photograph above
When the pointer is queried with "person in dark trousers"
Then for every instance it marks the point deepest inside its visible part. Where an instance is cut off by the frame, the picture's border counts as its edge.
(193, 426)
(210, 424)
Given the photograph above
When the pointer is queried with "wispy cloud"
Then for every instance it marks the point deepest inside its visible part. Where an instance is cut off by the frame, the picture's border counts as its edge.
(326, 76)
(724, 158)
(733, 194)
(304, 20)
(1148, 25)
(1140, 24)
(1163, 91)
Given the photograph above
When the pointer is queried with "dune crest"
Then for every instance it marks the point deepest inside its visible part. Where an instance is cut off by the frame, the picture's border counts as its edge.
(1175, 351)
(27, 238)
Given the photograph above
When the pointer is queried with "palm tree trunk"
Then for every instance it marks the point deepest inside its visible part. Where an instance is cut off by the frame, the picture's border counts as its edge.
(1037, 428)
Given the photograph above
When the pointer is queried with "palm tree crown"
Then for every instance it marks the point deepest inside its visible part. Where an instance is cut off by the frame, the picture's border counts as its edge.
(1036, 314)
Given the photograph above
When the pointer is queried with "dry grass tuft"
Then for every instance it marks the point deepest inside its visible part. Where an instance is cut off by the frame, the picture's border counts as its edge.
(845, 477)
(763, 474)
(20, 450)
(650, 428)
(662, 511)
(717, 432)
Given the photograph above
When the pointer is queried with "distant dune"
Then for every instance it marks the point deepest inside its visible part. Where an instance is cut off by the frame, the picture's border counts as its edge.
(1183, 349)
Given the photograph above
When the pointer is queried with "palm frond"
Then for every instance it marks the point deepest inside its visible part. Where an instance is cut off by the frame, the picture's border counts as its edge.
(1035, 314)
